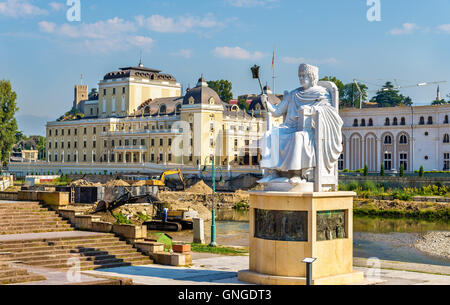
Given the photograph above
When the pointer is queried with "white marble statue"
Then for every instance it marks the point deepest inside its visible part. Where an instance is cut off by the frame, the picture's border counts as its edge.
(290, 152)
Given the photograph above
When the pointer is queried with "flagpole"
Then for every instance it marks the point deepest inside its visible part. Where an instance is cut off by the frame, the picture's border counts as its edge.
(273, 71)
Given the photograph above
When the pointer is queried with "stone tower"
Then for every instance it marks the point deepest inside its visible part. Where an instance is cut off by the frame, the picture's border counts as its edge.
(80, 94)
(438, 98)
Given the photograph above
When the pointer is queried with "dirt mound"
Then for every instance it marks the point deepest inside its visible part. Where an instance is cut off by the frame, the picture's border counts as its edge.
(200, 188)
(140, 183)
(82, 182)
(116, 183)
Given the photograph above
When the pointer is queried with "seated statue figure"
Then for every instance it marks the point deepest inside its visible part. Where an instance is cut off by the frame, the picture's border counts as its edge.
(290, 152)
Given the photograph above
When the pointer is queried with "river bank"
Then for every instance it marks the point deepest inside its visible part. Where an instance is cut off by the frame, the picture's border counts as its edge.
(432, 211)
(435, 243)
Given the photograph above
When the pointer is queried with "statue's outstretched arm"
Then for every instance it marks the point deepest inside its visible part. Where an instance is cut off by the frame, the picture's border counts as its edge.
(276, 110)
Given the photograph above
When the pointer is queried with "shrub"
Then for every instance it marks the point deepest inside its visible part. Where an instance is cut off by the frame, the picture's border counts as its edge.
(402, 171)
(421, 171)
(366, 170)
(122, 219)
(382, 170)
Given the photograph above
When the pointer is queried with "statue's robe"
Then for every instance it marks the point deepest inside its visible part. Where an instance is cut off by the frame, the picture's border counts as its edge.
(292, 145)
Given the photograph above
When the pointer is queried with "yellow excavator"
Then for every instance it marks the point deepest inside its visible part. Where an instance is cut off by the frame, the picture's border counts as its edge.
(160, 181)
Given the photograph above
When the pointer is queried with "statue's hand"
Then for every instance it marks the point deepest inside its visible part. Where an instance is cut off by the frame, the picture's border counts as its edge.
(265, 100)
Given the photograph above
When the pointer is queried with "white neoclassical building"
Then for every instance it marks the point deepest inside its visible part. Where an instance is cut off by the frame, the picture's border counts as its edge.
(413, 136)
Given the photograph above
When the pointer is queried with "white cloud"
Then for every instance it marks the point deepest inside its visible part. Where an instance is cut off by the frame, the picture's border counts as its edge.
(406, 29)
(186, 53)
(56, 6)
(180, 24)
(20, 8)
(444, 28)
(103, 36)
(237, 53)
(251, 3)
(301, 60)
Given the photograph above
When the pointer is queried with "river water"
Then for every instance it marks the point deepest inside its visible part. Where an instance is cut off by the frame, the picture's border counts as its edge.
(386, 239)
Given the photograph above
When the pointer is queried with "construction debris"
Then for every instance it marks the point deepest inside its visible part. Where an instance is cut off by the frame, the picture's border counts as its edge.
(116, 183)
(82, 182)
(200, 188)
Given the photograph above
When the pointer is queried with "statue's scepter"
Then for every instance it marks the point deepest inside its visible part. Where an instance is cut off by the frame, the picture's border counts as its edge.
(255, 73)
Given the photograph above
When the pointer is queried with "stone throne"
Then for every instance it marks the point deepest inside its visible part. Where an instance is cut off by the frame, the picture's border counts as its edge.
(323, 179)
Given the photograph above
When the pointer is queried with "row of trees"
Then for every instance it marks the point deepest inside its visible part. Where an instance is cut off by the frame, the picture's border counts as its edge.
(365, 171)
(349, 95)
(387, 96)
(8, 123)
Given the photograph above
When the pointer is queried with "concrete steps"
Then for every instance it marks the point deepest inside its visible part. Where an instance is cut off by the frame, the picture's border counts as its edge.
(12, 275)
(29, 217)
(92, 252)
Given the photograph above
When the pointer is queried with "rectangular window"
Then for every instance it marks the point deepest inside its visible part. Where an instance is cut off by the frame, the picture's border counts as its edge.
(62, 132)
(76, 131)
(56, 132)
(85, 130)
(142, 142)
(114, 91)
(62, 144)
(56, 144)
(134, 142)
(68, 144)
(447, 161)
(94, 143)
(93, 158)
(169, 157)
(161, 158)
(84, 144)
(123, 90)
(127, 142)
(341, 162)
(105, 143)
(388, 161)
(161, 142)
(49, 145)
(120, 142)
(68, 132)
(50, 132)
(170, 142)
(153, 142)
(75, 144)
(152, 157)
(94, 130)
(84, 158)
(104, 91)
(112, 143)
(404, 161)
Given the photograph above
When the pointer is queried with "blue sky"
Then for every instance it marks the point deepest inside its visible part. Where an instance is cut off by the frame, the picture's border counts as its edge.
(43, 54)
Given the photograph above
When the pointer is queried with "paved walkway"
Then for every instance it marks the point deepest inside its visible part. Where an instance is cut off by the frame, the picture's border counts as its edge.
(214, 270)
(47, 235)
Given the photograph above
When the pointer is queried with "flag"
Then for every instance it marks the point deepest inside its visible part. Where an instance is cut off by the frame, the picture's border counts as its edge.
(273, 59)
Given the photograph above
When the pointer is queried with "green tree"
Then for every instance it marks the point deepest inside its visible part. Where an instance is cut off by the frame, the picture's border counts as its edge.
(339, 84)
(366, 170)
(243, 105)
(402, 171)
(421, 171)
(382, 170)
(8, 123)
(93, 93)
(223, 89)
(350, 95)
(388, 96)
(441, 102)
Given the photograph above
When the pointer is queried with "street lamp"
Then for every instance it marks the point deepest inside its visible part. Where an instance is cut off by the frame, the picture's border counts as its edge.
(309, 261)
(213, 222)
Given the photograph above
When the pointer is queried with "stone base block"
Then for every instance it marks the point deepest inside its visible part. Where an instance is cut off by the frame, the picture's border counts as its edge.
(248, 276)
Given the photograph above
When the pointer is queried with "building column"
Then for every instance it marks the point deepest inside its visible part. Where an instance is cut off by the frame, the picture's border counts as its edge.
(379, 154)
(108, 156)
(124, 157)
(140, 157)
(116, 157)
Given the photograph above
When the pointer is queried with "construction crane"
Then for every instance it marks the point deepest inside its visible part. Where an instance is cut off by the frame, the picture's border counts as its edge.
(422, 84)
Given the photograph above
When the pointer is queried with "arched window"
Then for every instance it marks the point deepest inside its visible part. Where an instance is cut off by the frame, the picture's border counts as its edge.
(370, 122)
(403, 139)
(355, 123)
(178, 109)
(430, 120)
(446, 138)
(395, 123)
(422, 121)
(403, 122)
(162, 109)
(363, 122)
(387, 122)
(388, 140)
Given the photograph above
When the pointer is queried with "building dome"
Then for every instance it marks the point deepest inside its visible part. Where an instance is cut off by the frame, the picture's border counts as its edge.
(202, 94)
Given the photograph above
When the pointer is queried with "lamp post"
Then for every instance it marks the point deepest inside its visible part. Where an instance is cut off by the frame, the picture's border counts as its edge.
(213, 212)
(213, 223)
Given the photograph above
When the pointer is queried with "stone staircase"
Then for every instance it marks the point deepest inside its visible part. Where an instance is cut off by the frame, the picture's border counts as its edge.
(29, 217)
(12, 275)
(102, 250)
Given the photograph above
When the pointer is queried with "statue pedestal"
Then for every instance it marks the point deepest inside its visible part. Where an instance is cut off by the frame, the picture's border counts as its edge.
(286, 228)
